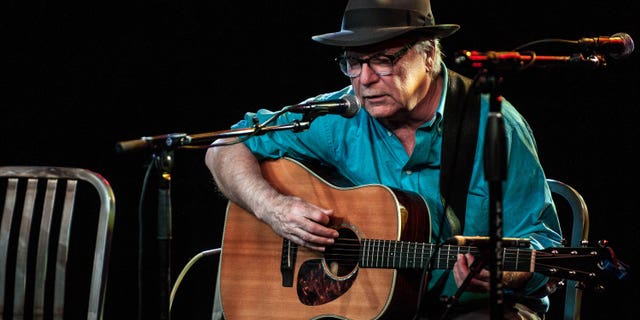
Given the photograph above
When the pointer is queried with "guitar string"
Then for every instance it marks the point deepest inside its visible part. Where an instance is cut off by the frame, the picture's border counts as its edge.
(348, 250)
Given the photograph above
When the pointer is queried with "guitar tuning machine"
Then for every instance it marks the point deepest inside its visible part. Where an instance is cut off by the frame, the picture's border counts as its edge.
(603, 243)
(561, 283)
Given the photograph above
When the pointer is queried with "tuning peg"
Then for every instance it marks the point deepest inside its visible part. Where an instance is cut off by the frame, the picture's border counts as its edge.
(562, 283)
(599, 288)
(593, 287)
(603, 243)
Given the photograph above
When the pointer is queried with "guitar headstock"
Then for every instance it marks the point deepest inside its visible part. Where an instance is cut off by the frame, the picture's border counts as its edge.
(579, 263)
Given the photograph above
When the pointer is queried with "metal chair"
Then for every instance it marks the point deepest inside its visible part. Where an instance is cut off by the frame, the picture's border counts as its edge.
(55, 236)
(578, 224)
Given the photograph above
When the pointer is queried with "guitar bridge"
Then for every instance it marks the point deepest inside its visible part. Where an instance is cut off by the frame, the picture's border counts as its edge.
(289, 252)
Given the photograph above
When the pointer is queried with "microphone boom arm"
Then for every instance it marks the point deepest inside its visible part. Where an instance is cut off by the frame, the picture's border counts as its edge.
(347, 106)
(510, 60)
(183, 140)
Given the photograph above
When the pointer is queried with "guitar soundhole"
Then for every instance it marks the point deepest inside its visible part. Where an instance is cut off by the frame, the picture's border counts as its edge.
(342, 257)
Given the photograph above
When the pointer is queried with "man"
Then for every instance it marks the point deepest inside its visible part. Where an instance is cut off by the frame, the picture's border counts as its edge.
(391, 53)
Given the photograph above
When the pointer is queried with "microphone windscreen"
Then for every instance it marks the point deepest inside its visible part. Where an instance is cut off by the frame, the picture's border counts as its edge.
(352, 105)
(627, 44)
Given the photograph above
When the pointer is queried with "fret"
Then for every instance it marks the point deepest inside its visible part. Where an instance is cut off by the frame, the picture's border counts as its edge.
(415, 251)
(409, 252)
(370, 256)
(401, 255)
(375, 253)
(412, 252)
(384, 258)
(388, 252)
(379, 246)
(394, 253)
(396, 256)
(380, 252)
(429, 254)
(364, 251)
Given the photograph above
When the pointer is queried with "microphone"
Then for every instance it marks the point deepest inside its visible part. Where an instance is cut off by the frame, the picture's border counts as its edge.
(481, 241)
(347, 106)
(619, 45)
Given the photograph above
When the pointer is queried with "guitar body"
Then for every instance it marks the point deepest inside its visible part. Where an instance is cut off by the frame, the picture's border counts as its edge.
(253, 284)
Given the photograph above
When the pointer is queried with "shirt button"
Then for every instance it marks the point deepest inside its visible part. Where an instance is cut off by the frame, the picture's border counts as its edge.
(389, 133)
(408, 172)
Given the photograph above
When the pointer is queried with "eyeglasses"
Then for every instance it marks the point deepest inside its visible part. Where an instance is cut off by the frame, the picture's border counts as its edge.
(381, 64)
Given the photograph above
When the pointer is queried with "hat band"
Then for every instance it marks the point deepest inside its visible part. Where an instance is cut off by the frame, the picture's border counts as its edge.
(378, 17)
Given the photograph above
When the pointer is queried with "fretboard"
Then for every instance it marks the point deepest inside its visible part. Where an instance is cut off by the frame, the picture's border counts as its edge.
(415, 255)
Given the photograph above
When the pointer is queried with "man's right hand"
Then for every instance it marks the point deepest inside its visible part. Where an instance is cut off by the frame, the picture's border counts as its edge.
(299, 221)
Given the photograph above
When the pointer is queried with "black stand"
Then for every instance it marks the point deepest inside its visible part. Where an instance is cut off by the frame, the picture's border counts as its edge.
(495, 159)
(163, 147)
(495, 164)
(164, 164)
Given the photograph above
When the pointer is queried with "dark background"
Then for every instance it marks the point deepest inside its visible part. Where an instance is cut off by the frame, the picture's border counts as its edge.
(78, 77)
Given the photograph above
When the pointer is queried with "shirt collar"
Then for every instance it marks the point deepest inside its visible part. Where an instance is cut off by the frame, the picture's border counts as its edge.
(437, 118)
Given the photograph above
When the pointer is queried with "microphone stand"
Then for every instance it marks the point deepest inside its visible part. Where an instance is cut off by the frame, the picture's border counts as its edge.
(495, 160)
(495, 168)
(162, 158)
(163, 147)
(164, 164)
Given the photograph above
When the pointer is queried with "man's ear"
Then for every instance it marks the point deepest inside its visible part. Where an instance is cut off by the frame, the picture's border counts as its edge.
(429, 60)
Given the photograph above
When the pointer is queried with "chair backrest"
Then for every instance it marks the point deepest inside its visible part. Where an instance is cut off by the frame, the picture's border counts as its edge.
(574, 217)
(55, 237)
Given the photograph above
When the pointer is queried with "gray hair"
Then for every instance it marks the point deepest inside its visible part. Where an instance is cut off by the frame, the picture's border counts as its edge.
(432, 46)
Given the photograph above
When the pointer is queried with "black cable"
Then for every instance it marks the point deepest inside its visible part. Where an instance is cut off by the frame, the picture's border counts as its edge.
(528, 44)
(426, 275)
(475, 267)
(140, 237)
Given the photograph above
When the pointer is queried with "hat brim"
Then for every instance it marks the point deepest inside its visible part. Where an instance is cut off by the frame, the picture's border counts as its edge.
(367, 36)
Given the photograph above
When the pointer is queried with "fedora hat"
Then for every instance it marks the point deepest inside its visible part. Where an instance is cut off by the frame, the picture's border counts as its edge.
(367, 22)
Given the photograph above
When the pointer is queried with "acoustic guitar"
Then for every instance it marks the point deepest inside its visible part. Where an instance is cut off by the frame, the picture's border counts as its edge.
(372, 271)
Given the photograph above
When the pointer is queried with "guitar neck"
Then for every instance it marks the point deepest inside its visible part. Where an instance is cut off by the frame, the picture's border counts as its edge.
(394, 254)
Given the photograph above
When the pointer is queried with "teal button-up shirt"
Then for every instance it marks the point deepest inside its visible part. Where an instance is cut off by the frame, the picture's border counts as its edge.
(365, 152)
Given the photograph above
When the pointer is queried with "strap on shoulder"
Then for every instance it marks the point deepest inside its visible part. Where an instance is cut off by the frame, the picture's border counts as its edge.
(459, 142)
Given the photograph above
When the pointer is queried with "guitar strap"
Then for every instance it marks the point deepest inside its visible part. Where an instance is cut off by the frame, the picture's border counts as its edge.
(459, 141)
